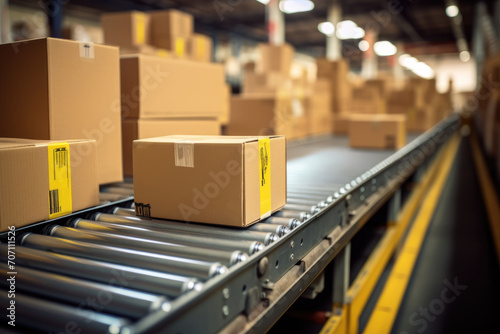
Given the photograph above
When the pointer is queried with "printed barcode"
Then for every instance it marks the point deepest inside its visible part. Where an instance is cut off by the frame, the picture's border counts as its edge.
(54, 201)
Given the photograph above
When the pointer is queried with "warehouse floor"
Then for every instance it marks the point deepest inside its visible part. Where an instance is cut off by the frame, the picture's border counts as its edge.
(458, 251)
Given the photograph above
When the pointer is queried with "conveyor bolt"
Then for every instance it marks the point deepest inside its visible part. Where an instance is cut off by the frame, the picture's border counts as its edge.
(225, 293)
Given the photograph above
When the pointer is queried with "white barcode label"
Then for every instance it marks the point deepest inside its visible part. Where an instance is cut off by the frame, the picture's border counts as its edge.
(184, 153)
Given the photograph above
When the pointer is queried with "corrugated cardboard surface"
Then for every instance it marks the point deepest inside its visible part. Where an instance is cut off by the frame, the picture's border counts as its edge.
(24, 179)
(319, 112)
(341, 123)
(127, 29)
(226, 111)
(155, 87)
(265, 83)
(49, 91)
(221, 188)
(171, 23)
(377, 131)
(275, 58)
(199, 47)
(147, 128)
(340, 86)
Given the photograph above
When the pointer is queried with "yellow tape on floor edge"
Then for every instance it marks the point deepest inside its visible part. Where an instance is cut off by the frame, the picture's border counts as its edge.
(60, 198)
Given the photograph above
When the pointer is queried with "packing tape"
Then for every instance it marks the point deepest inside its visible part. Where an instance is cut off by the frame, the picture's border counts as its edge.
(265, 177)
(141, 28)
(60, 198)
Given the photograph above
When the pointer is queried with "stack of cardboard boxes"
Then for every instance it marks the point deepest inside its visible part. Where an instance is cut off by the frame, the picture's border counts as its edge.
(273, 102)
(66, 95)
(180, 93)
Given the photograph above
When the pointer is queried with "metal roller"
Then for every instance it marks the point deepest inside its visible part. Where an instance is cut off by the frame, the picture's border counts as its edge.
(300, 215)
(147, 260)
(111, 197)
(306, 208)
(317, 198)
(171, 237)
(108, 299)
(320, 204)
(123, 211)
(291, 223)
(104, 272)
(50, 317)
(279, 230)
(166, 225)
(225, 257)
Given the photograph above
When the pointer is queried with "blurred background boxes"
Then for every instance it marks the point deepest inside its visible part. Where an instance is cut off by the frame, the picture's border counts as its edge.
(377, 131)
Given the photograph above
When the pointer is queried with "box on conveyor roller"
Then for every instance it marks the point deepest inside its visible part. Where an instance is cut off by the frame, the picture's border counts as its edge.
(381, 131)
(41, 180)
(222, 180)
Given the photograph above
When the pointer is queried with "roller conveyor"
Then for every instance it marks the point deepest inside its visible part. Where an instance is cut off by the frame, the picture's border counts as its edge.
(215, 275)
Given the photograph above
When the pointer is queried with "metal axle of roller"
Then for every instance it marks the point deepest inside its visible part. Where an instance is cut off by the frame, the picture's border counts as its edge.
(104, 272)
(166, 225)
(119, 301)
(147, 260)
(291, 223)
(312, 209)
(321, 204)
(299, 215)
(225, 257)
(50, 317)
(167, 236)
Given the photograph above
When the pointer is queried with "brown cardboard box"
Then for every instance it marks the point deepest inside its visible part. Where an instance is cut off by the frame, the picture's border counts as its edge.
(171, 23)
(275, 58)
(199, 47)
(226, 110)
(341, 123)
(318, 111)
(264, 114)
(221, 180)
(366, 100)
(28, 190)
(377, 131)
(401, 102)
(59, 89)
(263, 83)
(127, 29)
(175, 44)
(341, 89)
(419, 119)
(155, 87)
(147, 128)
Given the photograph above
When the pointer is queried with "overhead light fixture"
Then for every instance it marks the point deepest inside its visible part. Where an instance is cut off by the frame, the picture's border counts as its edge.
(407, 61)
(452, 11)
(384, 48)
(423, 70)
(326, 28)
(349, 30)
(296, 6)
(464, 56)
(363, 45)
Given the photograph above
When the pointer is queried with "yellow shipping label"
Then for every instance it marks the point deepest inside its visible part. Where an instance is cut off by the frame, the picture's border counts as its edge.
(60, 201)
(141, 28)
(200, 47)
(265, 177)
(179, 47)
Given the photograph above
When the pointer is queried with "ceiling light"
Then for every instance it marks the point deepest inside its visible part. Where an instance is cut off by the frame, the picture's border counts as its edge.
(384, 48)
(423, 70)
(349, 30)
(363, 45)
(326, 28)
(407, 61)
(452, 11)
(464, 56)
(296, 6)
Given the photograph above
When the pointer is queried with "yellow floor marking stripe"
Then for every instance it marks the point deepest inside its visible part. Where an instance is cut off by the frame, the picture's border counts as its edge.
(386, 309)
(362, 287)
(489, 194)
(336, 324)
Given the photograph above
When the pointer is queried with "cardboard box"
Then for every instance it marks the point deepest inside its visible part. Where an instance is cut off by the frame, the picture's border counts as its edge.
(265, 83)
(419, 119)
(275, 58)
(226, 110)
(176, 45)
(366, 100)
(126, 29)
(263, 115)
(155, 87)
(341, 89)
(234, 181)
(147, 128)
(40, 180)
(58, 89)
(318, 111)
(171, 23)
(341, 123)
(199, 47)
(401, 102)
(377, 131)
